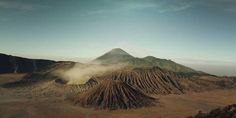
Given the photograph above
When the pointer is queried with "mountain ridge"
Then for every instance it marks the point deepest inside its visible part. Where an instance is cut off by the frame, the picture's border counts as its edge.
(15, 64)
(118, 55)
(10, 64)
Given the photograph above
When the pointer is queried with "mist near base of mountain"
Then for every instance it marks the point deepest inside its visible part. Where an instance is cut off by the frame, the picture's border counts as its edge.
(81, 73)
(219, 68)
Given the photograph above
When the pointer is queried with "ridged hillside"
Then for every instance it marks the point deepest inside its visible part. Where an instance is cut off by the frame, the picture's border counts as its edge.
(113, 94)
(149, 80)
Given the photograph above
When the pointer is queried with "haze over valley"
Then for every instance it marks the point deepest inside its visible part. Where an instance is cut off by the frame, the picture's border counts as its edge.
(117, 59)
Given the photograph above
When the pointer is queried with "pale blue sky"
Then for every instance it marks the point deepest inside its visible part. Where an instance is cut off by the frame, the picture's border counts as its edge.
(181, 30)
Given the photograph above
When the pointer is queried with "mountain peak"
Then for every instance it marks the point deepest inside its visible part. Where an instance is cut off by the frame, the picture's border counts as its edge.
(149, 57)
(116, 55)
(117, 51)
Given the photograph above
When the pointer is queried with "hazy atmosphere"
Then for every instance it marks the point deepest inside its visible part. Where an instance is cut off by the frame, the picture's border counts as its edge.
(200, 34)
(117, 58)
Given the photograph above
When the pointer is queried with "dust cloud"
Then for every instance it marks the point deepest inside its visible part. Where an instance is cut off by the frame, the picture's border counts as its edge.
(81, 73)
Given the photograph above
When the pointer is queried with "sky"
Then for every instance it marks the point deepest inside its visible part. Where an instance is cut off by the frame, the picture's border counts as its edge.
(197, 33)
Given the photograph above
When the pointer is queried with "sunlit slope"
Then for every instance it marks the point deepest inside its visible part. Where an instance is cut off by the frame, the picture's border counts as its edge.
(119, 56)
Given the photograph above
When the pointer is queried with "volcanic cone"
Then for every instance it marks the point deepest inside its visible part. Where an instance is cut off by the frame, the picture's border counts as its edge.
(113, 94)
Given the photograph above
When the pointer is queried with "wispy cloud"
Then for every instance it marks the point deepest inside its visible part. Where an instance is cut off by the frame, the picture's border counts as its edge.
(118, 7)
(162, 6)
(174, 7)
(20, 6)
(223, 5)
(135, 5)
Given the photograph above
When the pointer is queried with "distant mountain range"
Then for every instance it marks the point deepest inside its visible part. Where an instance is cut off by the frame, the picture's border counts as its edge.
(117, 56)
(14, 64)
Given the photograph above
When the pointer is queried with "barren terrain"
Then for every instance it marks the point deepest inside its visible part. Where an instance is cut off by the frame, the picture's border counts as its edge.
(44, 101)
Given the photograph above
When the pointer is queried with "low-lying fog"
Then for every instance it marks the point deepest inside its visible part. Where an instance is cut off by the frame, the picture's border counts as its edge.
(213, 67)
(81, 73)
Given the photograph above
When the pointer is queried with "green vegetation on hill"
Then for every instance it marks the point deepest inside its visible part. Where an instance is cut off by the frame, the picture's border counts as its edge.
(168, 64)
(119, 56)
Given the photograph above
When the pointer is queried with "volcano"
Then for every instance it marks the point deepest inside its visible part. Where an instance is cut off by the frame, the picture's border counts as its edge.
(114, 56)
(119, 56)
(148, 80)
(113, 94)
